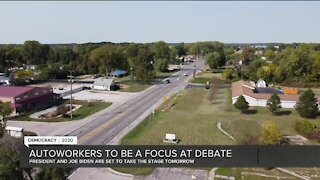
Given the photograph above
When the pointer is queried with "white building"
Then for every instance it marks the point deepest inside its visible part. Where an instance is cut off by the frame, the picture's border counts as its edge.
(14, 131)
(256, 96)
(103, 84)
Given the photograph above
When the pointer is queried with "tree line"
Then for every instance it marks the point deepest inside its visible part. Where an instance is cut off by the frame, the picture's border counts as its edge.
(292, 64)
(54, 61)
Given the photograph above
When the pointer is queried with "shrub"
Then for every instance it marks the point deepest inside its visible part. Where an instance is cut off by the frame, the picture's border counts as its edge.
(274, 103)
(307, 105)
(308, 129)
(241, 104)
(271, 134)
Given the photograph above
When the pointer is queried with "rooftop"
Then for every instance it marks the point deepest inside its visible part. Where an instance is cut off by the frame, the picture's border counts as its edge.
(13, 91)
(244, 88)
(119, 73)
(103, 82)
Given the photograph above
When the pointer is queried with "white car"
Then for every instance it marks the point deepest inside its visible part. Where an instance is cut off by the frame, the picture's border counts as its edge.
(185, 74)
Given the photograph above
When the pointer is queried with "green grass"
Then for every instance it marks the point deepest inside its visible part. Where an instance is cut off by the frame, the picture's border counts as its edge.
(29, 133)
(205, 77)
(315, 90)
(87, 109)
(194, 117)
(138, 86)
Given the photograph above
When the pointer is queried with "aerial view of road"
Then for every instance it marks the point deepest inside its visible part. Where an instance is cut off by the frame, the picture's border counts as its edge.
(107, 126)
(140, 91)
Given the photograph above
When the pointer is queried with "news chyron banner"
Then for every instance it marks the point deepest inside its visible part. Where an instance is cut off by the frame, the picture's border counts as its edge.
(53, 151)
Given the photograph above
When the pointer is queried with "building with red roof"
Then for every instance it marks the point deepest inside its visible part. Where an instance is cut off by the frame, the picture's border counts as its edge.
(24, 98)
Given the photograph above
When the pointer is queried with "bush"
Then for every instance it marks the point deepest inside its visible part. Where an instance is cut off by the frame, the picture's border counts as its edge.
(274, 103)
(307, 105)
(271, 134)
(250, 139)
(308, 129)
(241, 104)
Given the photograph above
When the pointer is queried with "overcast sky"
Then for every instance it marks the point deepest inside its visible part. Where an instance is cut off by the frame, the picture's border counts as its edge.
(78, 22)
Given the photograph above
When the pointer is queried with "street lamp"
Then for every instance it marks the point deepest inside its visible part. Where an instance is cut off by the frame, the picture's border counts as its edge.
(71, 81)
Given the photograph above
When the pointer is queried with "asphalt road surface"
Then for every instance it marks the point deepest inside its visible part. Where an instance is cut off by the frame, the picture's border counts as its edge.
(108, 125)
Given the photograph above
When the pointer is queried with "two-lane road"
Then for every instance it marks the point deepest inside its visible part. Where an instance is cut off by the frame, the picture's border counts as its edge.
(109, 125)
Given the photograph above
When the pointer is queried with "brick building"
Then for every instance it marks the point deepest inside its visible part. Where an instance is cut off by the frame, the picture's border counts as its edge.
(24, 99)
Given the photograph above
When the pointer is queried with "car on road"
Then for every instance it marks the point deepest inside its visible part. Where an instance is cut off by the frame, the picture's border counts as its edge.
(167, 81)
(185, 74)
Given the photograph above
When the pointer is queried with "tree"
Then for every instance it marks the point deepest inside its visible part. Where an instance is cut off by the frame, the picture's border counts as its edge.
(274, 103)
(271, 134)
(107, 58)
(241, 104)
(10, 158)
(227, 74)
(162, 65)
(213, 60)
(307, 105)
(181, 50)
(52, 173)
(5, 111)
(35, 53)
(142, 67)
(161, 50)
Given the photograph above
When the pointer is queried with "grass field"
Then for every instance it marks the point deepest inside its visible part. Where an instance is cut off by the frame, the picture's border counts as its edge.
(193, 119)
(138, 86)
(87, 109)
(203, 78)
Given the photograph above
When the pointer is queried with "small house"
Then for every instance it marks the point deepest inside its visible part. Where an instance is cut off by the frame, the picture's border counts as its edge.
(103, 84)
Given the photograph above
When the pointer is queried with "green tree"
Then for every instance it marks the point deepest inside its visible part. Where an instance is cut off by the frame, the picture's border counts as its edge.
(227, 74)
(162, 65)
(181, 50)
(307, 105)
(271, 134)
(241, 104)
(274, 103)
(161, 50)
(10, 158)
(35, 53)
(213, 60)
(107, 58)
(142, 65)
(5, 111)
(52, 173)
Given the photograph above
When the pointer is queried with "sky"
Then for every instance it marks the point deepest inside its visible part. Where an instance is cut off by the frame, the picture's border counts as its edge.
(142, 21)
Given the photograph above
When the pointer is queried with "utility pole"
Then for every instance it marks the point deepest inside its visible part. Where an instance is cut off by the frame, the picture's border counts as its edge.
(131, 78)
(71, 81)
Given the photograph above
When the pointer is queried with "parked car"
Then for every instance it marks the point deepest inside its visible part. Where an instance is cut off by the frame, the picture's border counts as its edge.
(168, 81)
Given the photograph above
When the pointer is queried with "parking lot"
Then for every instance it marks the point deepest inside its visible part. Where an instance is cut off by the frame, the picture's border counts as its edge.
(107, 96)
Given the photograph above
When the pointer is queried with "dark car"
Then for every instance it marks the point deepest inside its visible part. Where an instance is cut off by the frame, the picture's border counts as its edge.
(168, 81)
